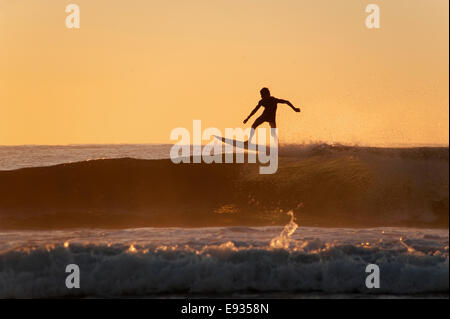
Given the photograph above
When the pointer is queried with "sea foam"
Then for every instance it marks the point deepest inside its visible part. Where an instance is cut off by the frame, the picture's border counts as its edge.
(223, 261)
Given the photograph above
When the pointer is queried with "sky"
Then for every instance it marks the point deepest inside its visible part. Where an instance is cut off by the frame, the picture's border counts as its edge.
(137, 69)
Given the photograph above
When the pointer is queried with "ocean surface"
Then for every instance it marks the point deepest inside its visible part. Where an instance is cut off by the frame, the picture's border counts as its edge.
(140, 226)
(14, 157)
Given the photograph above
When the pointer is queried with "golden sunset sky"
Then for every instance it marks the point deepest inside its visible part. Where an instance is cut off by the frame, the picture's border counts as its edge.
(136, 69)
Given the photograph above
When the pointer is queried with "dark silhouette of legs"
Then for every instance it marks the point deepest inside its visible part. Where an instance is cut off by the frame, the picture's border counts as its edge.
(260, 120)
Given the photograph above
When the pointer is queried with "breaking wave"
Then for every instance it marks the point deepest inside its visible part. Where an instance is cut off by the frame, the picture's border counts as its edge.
(337, 186)
(224, 261)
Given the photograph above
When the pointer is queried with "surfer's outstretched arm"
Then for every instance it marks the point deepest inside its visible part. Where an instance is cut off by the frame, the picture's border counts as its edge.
(253, 112)
(296, 109)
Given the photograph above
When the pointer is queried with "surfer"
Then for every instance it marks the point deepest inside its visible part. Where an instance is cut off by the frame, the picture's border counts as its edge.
(269, 115)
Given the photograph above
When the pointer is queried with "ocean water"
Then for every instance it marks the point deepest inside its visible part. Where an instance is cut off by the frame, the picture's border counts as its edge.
(232, 261)
(121, 221)
(14, 157)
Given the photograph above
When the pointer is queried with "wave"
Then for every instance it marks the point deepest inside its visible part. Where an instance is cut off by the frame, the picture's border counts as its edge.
(120, 270)
(323, 185)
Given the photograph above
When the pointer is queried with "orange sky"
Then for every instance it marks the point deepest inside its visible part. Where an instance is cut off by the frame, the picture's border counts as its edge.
(136, 69)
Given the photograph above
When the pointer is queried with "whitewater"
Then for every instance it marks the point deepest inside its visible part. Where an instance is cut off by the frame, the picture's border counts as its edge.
(253, 262)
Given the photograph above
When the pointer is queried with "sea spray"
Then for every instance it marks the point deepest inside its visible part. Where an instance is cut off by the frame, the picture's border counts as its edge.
(283, 240)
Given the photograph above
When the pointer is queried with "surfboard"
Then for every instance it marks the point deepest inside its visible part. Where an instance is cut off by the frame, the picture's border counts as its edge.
(238, 144)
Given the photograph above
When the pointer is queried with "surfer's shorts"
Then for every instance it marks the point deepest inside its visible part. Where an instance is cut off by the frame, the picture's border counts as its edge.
(260, 120)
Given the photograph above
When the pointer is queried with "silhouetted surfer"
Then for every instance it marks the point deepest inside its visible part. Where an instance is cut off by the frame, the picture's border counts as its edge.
(270, 109)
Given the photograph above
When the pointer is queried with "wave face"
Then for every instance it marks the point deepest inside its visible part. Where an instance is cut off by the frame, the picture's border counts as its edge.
(323, 185)
(232, 261)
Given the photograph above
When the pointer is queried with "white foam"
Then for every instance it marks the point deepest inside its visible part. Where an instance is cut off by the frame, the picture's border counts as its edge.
(222, 261)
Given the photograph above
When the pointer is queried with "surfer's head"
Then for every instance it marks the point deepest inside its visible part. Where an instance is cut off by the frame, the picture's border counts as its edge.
(264, 92)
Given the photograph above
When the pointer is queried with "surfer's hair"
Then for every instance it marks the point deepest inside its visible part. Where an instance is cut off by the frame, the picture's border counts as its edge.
(265, 91)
